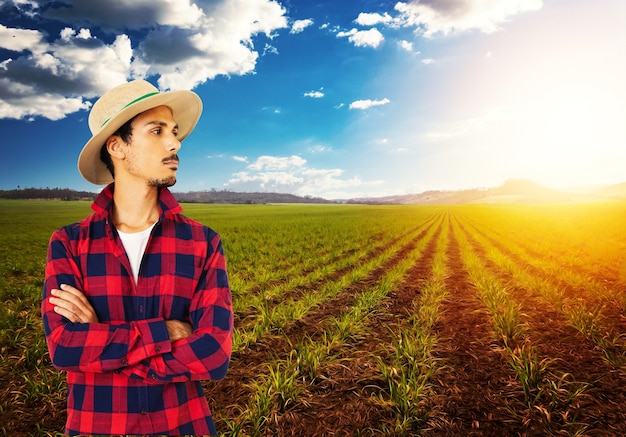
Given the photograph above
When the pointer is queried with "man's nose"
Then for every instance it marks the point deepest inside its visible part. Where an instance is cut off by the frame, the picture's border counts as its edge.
(174, 144)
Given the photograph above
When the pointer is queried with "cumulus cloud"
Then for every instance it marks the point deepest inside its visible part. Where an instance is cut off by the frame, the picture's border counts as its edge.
(277, 163)
(405, 45)
(363, 38)
(290, 174)
(53, 79)
(183, 43)
(18, 40)
(371, 19)
(315, 94)
(366, 104)
(434, 16)
(299, 25)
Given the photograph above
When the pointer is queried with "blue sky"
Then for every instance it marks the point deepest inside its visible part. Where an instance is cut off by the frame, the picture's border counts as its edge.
(329, 98)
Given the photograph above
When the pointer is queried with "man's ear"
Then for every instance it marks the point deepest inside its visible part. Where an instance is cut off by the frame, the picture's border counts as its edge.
(114, 146)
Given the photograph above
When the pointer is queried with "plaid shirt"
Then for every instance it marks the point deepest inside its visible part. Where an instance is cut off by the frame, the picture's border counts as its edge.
(124, 374)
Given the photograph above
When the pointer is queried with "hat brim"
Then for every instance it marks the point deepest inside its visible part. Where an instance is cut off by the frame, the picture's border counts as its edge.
(186, 109)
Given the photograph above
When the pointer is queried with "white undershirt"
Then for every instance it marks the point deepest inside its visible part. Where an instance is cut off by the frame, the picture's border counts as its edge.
(135, 245)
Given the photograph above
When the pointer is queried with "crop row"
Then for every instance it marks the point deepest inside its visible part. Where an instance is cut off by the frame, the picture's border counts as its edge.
(379, 321)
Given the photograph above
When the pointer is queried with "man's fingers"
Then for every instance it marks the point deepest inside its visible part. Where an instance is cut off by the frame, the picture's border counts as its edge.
(72, 304)
(67, 309)
(70, 293)
(69, 315)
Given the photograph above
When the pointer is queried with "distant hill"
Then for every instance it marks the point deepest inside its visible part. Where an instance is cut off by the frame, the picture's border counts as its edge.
(215, 196)
(212, 196)
(511, 191)
(617, 191)
(46, 194)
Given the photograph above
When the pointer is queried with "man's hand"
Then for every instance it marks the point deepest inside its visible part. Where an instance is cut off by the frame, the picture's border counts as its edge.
(178, 329)
(72, 304)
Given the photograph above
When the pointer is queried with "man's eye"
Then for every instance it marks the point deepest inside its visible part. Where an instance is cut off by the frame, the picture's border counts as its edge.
(156, 131)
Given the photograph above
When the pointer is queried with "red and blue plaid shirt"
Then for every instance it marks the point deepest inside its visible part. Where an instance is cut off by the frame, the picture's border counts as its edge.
(124, 374)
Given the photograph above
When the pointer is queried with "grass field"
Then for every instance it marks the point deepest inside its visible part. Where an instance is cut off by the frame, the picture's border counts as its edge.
(376, 320)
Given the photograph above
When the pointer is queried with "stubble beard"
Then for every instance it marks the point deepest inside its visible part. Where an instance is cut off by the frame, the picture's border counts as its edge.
(162, 183)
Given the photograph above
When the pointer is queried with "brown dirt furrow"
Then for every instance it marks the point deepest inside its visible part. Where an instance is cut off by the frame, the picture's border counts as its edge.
(602, 408)
(613, 309)
(346, 398)
(474, 384)
(250, 313)
(230, 394)
(606, 274)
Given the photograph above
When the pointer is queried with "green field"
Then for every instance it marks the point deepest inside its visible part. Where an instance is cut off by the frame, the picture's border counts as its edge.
(376, 320)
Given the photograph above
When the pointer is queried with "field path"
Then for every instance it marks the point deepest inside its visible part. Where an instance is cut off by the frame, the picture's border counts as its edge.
(470, 386)
(602, 407)
(346, 399)
(228, 395)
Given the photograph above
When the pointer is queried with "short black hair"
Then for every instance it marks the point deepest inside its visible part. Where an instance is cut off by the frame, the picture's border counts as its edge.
(125, 132)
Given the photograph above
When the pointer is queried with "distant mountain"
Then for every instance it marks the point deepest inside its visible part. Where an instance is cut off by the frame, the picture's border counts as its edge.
(511, 191)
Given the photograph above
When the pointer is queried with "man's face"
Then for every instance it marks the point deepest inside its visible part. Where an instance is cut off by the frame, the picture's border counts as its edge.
(151, 151)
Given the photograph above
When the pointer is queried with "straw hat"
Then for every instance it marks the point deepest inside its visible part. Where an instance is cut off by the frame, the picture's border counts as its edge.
(122, 103)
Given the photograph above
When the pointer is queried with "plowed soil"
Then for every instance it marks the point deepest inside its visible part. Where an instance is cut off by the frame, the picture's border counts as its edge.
(474, 391)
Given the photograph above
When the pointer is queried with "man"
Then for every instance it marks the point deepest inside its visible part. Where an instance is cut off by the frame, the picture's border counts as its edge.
(137, 306)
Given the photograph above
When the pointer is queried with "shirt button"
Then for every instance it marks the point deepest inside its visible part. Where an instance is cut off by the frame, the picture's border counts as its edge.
(153, 377)
(143, 412)
(158, 348)
(124, 362)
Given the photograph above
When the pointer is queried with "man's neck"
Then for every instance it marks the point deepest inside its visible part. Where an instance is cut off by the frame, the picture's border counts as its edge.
(135, 208)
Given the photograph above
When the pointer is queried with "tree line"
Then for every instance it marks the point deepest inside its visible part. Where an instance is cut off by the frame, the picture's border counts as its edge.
(212, 196)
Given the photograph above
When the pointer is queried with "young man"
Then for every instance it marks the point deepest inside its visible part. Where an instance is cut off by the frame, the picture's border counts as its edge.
(137, 306)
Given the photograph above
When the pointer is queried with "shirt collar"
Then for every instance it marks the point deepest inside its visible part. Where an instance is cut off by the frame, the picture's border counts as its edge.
(104, 201)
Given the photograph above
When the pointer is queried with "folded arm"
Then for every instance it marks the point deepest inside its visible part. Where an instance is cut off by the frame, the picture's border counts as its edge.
(156, 350)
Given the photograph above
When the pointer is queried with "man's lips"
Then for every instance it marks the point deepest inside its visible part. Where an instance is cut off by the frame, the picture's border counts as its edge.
(172, 163)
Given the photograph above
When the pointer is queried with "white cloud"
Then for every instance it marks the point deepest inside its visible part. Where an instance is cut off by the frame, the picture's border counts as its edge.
(366, 104)
(277, 163)
(187, 43)
(290, 174)
(468, 126)
(318, 148)
(240, 158)
(19, 39)
(371, 19)
(272, 109)
(406, 45)
(363, 38)
(428, 61)
(299, 25)
(432, 16)
(55, 79)
(315, 94)
(269, 49)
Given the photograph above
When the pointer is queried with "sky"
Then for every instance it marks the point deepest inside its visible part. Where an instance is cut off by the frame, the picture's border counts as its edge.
(328, 98)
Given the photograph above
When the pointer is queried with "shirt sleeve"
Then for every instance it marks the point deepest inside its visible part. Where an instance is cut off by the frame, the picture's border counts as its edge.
(205, 354)
(92, 347)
